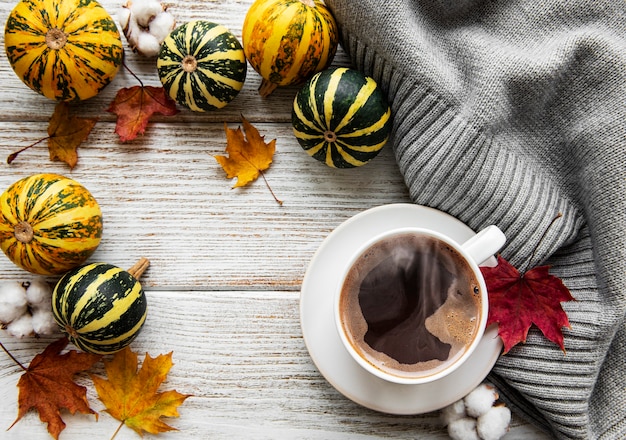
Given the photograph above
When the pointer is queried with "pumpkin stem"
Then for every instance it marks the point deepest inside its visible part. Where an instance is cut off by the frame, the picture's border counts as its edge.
(23, 232)
(309, 3)
(190, 64)
(56, 38)
(330, 136)
(70, 331)
(139, 267)
(266, 88)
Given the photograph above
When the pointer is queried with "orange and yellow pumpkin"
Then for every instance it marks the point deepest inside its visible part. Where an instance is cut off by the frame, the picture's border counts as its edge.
(67, 50)
(49, 224)
(288, 41)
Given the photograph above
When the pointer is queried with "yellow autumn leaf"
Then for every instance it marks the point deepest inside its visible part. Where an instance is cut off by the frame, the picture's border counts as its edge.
(248, 154)
(131, 396)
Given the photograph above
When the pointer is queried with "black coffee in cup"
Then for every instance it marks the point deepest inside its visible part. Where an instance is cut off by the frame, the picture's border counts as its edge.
(410, 305)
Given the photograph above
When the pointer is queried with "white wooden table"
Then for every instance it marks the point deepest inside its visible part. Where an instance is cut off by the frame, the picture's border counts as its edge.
(226, 264)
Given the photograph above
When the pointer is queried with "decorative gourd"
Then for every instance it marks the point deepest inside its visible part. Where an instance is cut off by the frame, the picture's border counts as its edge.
(341, 118)
(288, 41)
(67, 50)
(101, 307)
(49, 224)
(202, 65)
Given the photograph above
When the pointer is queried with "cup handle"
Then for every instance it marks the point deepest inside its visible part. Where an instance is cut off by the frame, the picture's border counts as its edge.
(484, 244)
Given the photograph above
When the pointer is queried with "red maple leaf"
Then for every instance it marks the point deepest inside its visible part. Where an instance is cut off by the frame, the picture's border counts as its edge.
(48, 385)
(135, 105)
(516, 301)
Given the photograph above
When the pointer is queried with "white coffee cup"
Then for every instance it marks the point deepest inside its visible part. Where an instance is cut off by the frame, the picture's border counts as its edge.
(411, 305)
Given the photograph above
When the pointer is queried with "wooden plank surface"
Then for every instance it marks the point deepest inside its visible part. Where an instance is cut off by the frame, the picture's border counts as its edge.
(227, 264)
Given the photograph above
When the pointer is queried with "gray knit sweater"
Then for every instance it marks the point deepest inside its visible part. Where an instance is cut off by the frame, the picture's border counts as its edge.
(508, 112)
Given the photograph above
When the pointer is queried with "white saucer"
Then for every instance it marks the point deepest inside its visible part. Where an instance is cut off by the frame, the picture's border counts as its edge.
(322, 339)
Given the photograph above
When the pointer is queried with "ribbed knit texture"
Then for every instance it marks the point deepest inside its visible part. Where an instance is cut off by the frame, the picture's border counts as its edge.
(508, 112)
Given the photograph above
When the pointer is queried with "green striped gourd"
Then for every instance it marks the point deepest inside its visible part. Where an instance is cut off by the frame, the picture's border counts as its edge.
(49, 224)
(100, 307)
(202, 65)
(288, 41)
(340, 117)
(67, 50)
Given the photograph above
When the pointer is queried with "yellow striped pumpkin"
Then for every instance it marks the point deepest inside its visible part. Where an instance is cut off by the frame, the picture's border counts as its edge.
(67, 50)
(341, 117)
(49, 224)
(100, 307)
(288, 41)
(202, 65)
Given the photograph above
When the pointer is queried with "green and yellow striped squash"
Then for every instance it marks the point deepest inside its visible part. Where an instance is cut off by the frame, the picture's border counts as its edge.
(49, 224)
(202, 65)
(67, 50)
(100, 307)
(341, 117)
(288, 41)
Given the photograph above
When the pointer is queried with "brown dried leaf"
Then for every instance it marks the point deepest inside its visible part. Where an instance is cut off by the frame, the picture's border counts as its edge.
(48, 385)
(66, 132)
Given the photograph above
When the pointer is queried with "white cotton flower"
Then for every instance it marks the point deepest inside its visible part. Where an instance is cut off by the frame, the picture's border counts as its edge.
(123, 16)
(22, 326)
(39, 293)
(494, 423)
(146, 23)
(26, 308)
(145, 10)
(149, 44)
(162, 25)
(475, 417)
(13, 303)
(463, 429)
(480, 400)
(43, 322)
(453, 412)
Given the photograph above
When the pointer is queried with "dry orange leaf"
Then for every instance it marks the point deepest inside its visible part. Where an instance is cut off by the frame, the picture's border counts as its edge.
(66, 133)
(135, 105)
(48, 385)
(132, 396)
(248, 154)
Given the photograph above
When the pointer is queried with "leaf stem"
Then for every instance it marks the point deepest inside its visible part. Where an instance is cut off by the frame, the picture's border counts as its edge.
(132, 73)
(12, 357)
(558, 216)
(280, 202)
(14, 155)
(119, 427)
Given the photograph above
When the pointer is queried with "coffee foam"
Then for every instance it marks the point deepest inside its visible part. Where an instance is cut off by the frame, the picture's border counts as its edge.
(456, 316)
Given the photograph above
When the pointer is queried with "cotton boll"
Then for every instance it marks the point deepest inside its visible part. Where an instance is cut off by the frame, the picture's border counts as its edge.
(480, 400)
(453, 412)
(123, 16)
(146, 23)
(22, 326)
(43, 322)
(494, 423)
(39, 293)
(145, 11)
(148, 45)
(13, 303)
(162, 25)
(463, 429)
